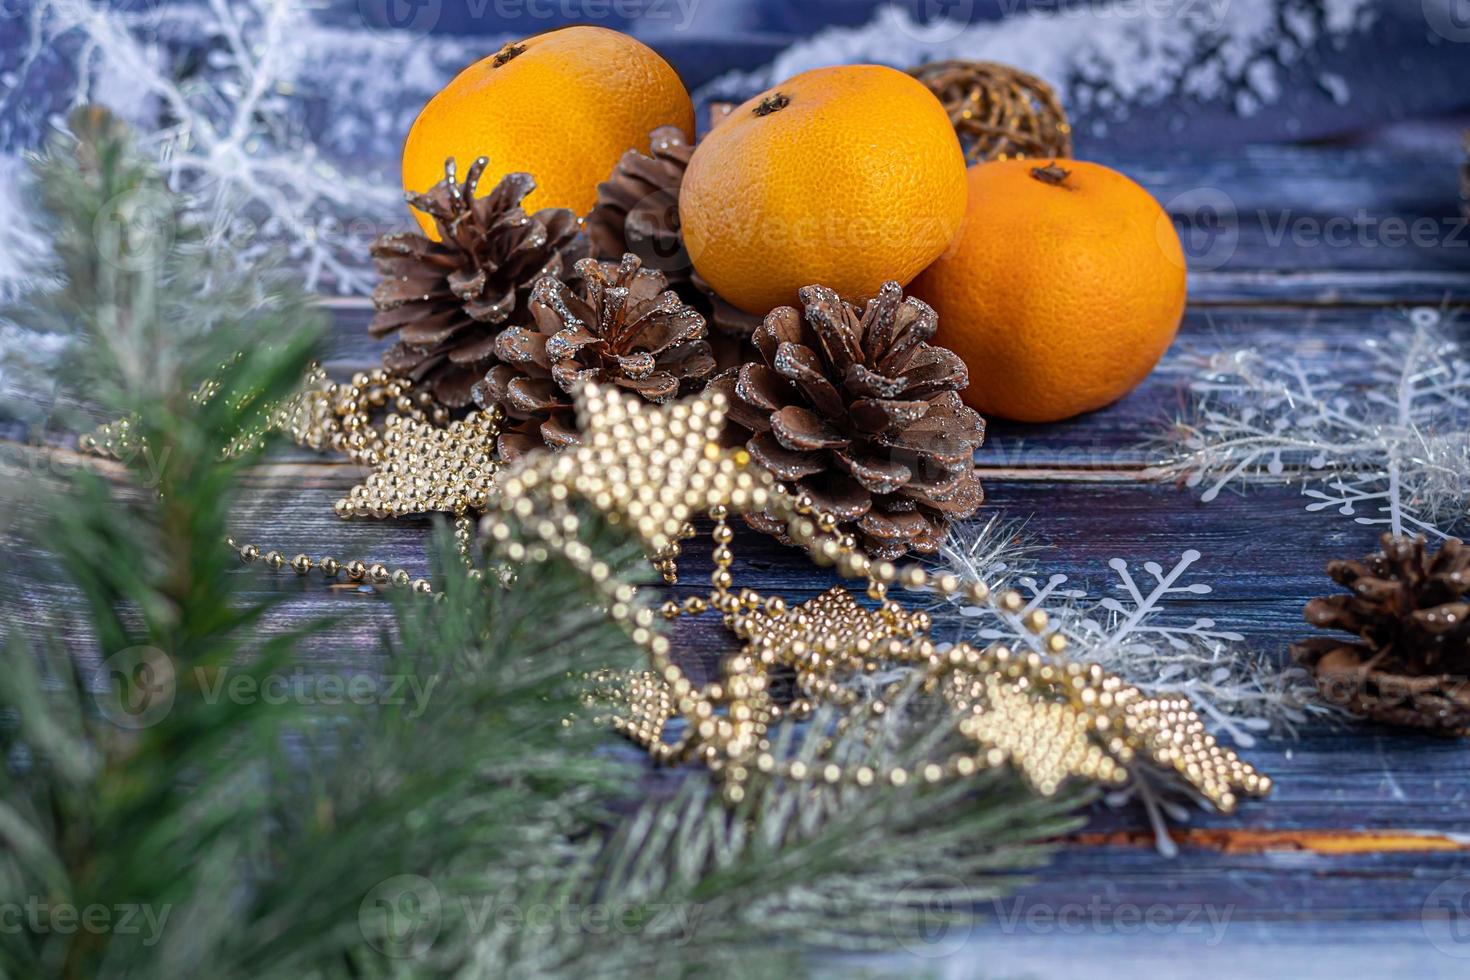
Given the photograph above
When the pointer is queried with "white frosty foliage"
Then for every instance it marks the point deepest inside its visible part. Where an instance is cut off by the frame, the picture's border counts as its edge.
(1104, 57)
(1389, 448)
(1135, 633)
(229, 95)
(23, 246)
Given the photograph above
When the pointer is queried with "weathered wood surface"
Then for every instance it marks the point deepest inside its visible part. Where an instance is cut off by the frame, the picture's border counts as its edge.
(1365, 823)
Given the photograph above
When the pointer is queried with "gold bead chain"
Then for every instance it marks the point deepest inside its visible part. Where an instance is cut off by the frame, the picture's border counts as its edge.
(650, 469)
(357, 570)
(326, 415)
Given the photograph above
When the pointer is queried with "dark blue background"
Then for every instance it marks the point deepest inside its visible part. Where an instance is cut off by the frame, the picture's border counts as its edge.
(1399, 69)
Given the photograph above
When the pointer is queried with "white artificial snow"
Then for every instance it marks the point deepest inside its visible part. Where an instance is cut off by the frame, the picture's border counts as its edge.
(23, 248)
(1103, 57)
(1335, 86)
(270, 131)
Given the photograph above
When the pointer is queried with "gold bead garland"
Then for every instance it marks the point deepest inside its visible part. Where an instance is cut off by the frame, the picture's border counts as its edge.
(357, 570)
(412, 448)
(650, 469)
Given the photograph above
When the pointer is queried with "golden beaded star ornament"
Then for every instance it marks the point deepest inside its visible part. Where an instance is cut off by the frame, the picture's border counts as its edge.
(651, 469)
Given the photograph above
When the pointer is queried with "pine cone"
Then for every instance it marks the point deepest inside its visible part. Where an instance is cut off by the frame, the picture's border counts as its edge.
(637, 211)
(637, 208)
(861, 413)
(1410, 663)
(619, 326)
(448, 300)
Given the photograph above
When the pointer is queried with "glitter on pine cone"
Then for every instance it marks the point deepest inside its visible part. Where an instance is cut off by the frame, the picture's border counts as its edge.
(620, 325)
(999, 112)
(447, 301)
(1409, 663)
(858, 411)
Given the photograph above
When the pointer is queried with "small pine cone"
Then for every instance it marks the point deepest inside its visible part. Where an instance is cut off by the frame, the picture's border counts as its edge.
(619, 326)
(860, 412)
(637, 211)
(1410, 661)
(447, 301)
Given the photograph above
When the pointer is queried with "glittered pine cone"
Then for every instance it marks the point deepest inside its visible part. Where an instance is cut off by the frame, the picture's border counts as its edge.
(447, 301)
(857, 410)
(637, 211)
(1408, 662)
(617, 324)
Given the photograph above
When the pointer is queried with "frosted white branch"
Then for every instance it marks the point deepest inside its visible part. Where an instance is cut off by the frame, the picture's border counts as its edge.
(229, 95)
(1390, 448)
(1135, 633)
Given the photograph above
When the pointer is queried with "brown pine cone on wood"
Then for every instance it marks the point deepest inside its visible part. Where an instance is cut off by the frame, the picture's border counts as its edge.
(447, 301)
(618, 325)
(637, 211)
(1409, 663)
(857, 410)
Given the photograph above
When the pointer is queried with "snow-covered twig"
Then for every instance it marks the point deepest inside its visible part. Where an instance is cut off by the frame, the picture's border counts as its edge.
(260, 132)
(1391, 448)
